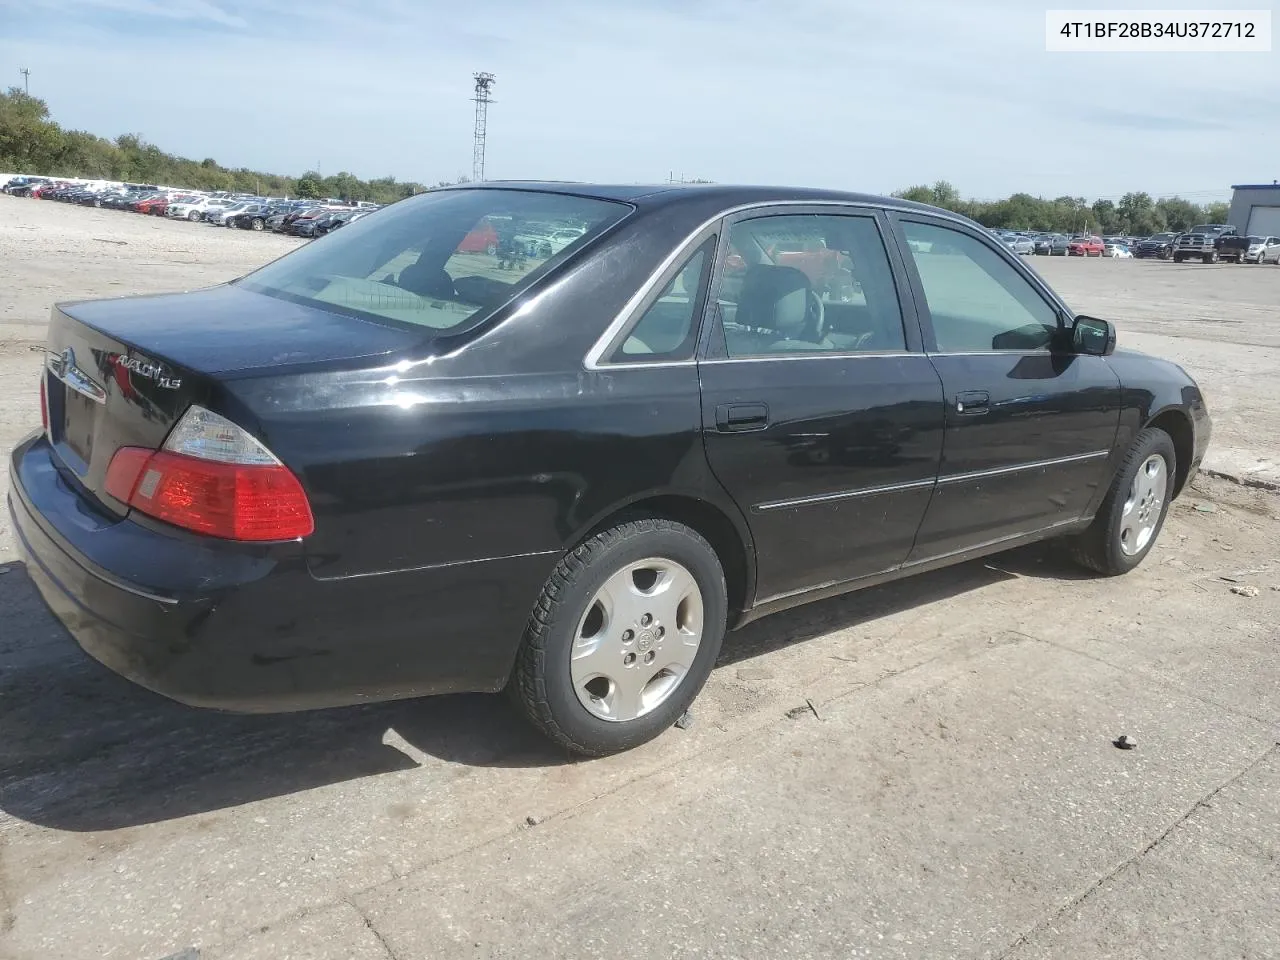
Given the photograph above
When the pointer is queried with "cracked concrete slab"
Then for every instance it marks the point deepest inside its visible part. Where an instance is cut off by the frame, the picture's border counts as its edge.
(337, 931)
(921, 817)
(1209, 890)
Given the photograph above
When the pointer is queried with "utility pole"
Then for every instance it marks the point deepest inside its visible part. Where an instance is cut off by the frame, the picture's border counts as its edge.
(26, 80)
(483, 97)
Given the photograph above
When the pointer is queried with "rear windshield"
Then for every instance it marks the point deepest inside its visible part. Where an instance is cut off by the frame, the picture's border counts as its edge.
(441, 260)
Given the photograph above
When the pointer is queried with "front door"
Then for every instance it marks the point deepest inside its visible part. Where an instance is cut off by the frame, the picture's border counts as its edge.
(1029, 425)
(822, 416)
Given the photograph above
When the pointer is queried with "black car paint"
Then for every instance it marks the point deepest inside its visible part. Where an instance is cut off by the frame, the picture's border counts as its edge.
(449, 475)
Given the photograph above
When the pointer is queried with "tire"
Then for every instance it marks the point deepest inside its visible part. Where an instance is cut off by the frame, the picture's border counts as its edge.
(193, 215)
(1213, 257)
(257, 223)
(1101, 547)
(491, 249)
(554, 694)
(1177, 258)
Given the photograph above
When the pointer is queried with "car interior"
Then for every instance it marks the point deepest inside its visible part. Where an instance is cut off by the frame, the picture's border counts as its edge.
(838, 295)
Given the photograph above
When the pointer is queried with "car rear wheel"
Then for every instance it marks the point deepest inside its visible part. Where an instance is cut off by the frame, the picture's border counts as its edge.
(1132, 514)
(193, 215)
(257, 223)
(623, 637)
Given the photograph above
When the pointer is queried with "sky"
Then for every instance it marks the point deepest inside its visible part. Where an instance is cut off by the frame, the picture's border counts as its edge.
(848, 94)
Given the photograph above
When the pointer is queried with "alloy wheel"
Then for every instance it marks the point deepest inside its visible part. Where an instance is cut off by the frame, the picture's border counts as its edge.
(637, 639)
(1143, 506)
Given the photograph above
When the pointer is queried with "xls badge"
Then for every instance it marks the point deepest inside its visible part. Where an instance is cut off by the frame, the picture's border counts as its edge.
(146, 369)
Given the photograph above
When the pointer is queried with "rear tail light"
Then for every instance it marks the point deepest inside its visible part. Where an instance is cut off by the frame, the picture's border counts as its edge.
(44, 401)
(214, 478)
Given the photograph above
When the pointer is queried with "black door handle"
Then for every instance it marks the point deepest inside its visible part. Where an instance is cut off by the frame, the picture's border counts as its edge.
(973, 403)
(736, 417)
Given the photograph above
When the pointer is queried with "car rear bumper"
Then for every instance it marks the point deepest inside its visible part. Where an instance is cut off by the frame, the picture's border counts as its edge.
(247, 627)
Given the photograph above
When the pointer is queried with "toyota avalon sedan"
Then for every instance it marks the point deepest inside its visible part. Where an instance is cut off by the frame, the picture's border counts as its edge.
(393, 464)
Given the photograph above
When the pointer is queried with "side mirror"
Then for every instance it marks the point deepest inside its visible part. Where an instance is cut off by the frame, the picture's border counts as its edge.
(1093, 337)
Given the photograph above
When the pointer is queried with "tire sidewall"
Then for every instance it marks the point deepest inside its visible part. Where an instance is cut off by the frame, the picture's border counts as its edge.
(672, 542)
(1149, 442)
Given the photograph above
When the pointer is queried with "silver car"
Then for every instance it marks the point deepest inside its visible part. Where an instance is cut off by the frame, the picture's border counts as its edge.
(1020, 244)
(1265, 250)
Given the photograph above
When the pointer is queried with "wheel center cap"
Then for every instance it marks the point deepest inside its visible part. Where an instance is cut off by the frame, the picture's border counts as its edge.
(644, 640)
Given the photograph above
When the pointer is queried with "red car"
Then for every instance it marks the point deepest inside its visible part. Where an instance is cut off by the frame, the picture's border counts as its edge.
(1085, 247)
(482, 239)
(159, 206)
(148, 205)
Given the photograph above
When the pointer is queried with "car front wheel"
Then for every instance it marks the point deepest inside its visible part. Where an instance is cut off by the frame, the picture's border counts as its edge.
(623, 637)
(1132, 514)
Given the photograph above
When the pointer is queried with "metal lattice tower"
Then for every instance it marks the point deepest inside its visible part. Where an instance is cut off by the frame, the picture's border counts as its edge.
(26, 80)
(482, 99)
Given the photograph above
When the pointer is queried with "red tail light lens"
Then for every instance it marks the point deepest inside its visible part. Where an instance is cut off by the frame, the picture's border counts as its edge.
(209, 492)
(44, 402)
(230, 500)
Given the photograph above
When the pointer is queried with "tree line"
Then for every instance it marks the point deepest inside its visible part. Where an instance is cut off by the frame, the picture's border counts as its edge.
(1137, 214)
(30, 142)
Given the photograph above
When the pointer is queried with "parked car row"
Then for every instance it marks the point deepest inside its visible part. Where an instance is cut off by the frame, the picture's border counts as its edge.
(304, 218)
(1208, 243)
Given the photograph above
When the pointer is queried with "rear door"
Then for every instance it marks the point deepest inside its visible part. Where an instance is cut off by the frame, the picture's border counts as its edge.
(1029, 427)
(822, 417)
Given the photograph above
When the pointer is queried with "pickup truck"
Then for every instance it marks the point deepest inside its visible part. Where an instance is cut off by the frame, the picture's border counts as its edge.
(1202, 242)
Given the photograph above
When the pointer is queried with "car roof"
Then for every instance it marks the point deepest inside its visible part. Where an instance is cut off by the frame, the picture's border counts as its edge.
(649, 196)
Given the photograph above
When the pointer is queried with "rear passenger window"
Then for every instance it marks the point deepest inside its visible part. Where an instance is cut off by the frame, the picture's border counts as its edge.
(977, 300)
(666, 331)
(809, 283)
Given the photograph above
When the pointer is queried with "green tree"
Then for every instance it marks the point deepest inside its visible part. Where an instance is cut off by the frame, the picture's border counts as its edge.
(1216, 213)
(1178, 214)
(1139, 214)
(917, 194)
(1106, 216)
(308, 186)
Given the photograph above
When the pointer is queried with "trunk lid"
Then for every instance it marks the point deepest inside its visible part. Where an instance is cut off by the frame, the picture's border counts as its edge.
(122, 372)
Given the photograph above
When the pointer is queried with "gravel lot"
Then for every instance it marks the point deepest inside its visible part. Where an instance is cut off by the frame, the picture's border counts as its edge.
(929, 773)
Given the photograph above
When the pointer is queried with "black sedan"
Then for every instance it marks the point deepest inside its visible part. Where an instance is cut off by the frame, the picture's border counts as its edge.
(385, 466)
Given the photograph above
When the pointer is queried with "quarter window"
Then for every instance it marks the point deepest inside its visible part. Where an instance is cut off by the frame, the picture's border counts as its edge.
(666, 331)
(977, 300)
(808, 283)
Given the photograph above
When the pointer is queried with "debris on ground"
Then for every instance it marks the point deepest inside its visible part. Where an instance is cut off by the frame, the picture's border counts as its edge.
(1206, 508)
(755, 673)
(1123, 742)
(1245, 591)
(532, 821)
(685, 721)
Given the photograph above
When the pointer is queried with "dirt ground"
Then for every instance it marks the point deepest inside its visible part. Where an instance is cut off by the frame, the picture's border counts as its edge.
(924, 769)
